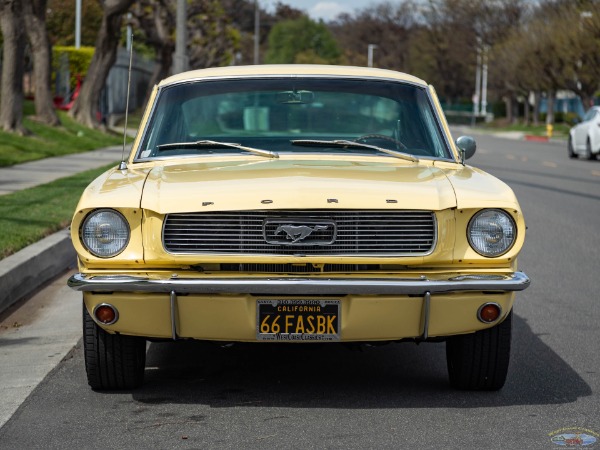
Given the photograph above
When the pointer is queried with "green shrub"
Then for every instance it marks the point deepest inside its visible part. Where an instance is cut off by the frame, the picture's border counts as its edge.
(79, 61)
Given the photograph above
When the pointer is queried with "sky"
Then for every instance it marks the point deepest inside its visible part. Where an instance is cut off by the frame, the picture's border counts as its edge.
(323, 9)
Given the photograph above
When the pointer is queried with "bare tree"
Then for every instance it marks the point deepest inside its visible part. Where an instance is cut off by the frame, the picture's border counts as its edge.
(86, 106)
(11, 88)
(389, 27)
(157, 21)
(34, 12)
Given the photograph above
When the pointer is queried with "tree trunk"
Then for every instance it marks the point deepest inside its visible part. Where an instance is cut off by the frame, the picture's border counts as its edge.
(11, 88)
(526, 110)
(536, 108)
(85, 108)
(550, 108)
(508, 102)
(159, 31)
(35, 20)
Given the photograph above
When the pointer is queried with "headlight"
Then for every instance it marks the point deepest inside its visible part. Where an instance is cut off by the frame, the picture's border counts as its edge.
(492, 232)
(105, 233)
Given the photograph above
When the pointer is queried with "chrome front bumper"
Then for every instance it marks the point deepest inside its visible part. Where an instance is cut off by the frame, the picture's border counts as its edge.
(517, 281)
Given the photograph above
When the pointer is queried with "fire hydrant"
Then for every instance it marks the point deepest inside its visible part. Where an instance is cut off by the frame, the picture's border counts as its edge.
(549, 129)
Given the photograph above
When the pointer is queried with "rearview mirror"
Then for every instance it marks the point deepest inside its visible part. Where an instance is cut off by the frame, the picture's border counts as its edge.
(466, 146)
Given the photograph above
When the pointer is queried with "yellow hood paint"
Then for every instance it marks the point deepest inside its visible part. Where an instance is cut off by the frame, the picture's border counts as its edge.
(299, 181)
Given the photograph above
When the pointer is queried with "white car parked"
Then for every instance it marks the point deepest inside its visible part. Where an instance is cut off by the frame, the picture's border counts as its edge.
(584, 138)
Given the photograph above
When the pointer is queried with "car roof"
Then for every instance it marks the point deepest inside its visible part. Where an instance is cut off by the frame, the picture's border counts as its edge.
(291, 69)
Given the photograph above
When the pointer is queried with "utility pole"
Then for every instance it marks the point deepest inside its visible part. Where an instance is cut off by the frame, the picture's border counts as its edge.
(370, 49)
(477, 93)
(484, 78)
(181, 59)
(256, 31)
(77, 24)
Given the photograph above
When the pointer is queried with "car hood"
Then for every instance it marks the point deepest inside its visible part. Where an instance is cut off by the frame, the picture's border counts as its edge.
(296, 184)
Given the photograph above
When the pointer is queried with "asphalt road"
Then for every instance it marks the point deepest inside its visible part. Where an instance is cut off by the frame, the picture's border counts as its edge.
(394, 396)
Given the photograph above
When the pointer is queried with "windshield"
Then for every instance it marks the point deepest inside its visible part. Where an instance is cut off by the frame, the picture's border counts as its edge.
(280, 114)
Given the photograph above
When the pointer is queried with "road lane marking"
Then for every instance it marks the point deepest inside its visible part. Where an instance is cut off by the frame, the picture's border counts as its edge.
(524, 159)
(511, 157)
(596, 173)
(549, 164)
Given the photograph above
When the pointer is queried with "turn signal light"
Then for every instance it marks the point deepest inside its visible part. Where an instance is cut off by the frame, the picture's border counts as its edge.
(489, 312)
(106, 314)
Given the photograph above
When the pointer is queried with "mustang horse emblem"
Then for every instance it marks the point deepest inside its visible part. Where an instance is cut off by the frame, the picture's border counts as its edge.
(298, 232)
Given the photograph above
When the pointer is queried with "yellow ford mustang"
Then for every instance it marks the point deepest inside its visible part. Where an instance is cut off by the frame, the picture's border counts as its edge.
(297, 204)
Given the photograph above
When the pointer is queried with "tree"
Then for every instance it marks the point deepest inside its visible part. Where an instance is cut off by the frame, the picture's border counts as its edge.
(302, 41)
(34, 12)
(389, 26)
(60, 21)
(241, 15)
(11, 87)
(212, 40)
(156, 20)
(86, 106)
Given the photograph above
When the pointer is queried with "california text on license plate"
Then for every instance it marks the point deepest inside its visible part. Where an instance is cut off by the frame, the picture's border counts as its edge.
(298, 320)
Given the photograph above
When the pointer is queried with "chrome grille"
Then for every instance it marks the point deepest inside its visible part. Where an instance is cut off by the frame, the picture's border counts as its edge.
(364, 232)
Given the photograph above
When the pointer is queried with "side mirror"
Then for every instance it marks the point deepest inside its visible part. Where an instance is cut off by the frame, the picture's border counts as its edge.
(466, 146)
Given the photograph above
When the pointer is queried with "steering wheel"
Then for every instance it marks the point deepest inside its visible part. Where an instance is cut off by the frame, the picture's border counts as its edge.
(382, 137)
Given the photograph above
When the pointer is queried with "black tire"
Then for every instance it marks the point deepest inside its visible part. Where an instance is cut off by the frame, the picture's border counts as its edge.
(112, 361)
(479, 361)
(572, 153)
(588, 150)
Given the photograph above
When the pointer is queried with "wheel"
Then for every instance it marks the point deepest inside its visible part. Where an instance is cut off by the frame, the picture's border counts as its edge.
(588, 150)
(381, 137)
(572, 153)
(112, 361)
(479, 361)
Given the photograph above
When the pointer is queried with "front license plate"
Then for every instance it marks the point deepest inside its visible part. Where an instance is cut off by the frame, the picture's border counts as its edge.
(298, 320)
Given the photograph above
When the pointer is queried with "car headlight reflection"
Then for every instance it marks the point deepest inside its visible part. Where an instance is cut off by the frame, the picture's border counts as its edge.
(105, 233)
(492, 232)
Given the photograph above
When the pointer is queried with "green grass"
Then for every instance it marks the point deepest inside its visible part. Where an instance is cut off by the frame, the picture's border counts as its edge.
(561, 130)
(31, 214)
(45, 141)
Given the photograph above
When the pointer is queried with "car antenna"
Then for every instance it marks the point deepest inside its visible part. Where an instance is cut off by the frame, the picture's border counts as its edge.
(123, 164)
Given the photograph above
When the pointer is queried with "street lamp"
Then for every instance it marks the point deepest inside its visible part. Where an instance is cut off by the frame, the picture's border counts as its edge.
(370, 49)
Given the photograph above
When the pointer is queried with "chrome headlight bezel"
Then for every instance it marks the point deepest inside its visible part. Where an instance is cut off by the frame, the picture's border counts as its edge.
(492, 232)
(105, 233)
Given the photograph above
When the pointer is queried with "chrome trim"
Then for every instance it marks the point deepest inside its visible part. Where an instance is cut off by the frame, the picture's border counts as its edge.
(173, 299)
(115, 310)
(426, 310)
(312, 213)
(500, 315)
(517, 281)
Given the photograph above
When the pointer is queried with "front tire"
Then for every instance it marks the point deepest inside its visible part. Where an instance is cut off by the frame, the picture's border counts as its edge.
(112, 361)
(588, 150)
(572, 153)
(479, 361)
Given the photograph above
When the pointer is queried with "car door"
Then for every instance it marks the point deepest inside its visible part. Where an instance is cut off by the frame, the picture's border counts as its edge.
(594, 131)
(581, 130)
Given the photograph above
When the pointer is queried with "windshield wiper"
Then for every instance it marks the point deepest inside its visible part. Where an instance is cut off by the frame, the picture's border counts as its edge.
(217, 144)
(353, 144)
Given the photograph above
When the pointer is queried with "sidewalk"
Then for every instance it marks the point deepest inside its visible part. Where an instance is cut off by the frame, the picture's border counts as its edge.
(30, 174)
(23, 273)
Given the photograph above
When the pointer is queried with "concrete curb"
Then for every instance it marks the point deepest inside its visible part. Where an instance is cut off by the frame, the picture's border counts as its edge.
(23, 273)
